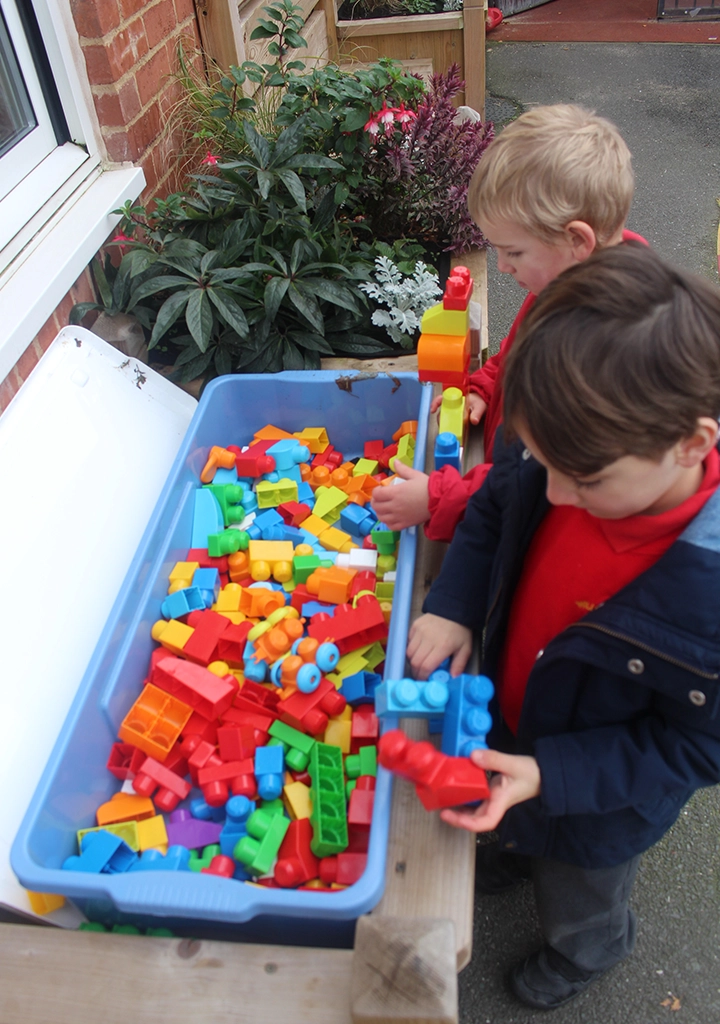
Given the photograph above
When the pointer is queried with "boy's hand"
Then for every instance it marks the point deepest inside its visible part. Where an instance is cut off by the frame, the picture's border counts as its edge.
(432, 639)
(474, 407)
(518, 779)
(405, 504)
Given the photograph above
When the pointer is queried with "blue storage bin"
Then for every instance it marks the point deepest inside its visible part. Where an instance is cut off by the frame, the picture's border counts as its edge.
(75, 781)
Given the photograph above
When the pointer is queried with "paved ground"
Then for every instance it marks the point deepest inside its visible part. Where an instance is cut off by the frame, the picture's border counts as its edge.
(666, 101)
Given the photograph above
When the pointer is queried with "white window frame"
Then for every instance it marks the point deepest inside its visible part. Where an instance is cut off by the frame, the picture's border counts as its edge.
(64, 215)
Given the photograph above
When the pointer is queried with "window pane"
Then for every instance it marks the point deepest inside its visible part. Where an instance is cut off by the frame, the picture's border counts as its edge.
(16, 113)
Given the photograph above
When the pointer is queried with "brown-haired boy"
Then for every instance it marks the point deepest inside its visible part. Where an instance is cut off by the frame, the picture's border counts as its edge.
(552, 188)
(590, 563)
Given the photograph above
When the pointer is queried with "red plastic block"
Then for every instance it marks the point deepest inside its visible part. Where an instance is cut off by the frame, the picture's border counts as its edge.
(256, 692)
(373, 449)
(231, 645)
(205, 561)
(207, 693)
(343, 868)
(218, 781)
(360, 808)
(296, 862)
(208, 627)
(458, 289)
(125, 760)
(364, 729)
(293, 512)
(255, 461)
(200, 754)
(365, 580)
(350, 627)
(171, 789)
(252, 715)
(198, 725)
(222, 866)
(236, 742)
(309, 712)
(440, 781)
(300, 596)
(330, 458)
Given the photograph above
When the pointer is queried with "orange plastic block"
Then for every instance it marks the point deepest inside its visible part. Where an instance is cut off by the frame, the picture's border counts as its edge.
(259, 602)
(314, 438)
(45, 902)
(315, 525)
(173, 634)
(278, 640)
(154, 722)
(271, 433)
(124, 807)
(319, 476)
(238, 566)
(406, 427)
(331, 584)
(443, 352)
(217, 457)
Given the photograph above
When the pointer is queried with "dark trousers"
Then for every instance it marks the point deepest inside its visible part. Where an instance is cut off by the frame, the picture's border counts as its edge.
(584, 914)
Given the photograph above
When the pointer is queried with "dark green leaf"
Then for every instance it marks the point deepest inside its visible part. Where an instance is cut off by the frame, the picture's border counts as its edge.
(154, 285)
(265, 182)
(102, 284)
(312, 162)
(196, 368)
(333, 291)
(291, 358)
(341, 193)
(229, 310)
(313, 342)
(295, 40)
(288, 143)
(168, 314)
(257, 144)
(80, 309)
(294, 186)
(307, 306)
(355, 120)
(199, 318)
(223, 361)
(263, 33)
(275, 291)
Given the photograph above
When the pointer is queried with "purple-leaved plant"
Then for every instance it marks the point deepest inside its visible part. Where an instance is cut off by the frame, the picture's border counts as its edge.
(416, 177)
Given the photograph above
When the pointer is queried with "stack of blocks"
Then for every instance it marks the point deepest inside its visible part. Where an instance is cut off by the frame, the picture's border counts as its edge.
(250, 751)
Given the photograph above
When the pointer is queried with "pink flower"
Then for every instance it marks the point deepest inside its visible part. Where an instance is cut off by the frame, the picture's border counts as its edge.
(210, 159)
(386, 117)
(405, 117)
(120, 237)
(373, 126)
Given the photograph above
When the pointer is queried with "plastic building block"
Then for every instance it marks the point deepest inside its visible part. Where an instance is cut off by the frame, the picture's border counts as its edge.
(300, 744)
(335, 540)
(181, 602)
(440, 781)
(222, 867)
(181, 575)
(293, 512)
(173, 635)
(384, 539)
(207, 582)
(152, 833)
(447, 451)
(362, 763)
(171, 788)
(207, 517)
(458, 289)
(452, 413)
(101, 852)
(304, 566)
(315, 439)
(439, 320)
(338, 731)
(199, 861)
(331, 584)
(288, 454)
(124, 760)
(361, 805)
(45, 902)
(269, 771)
(124, 807)
(259, 848)
(351, 627)
(270, 558)
(176, 859)
(357, 520)
(207, 693)
(329, 502)
(328, 816)
(154, 722)
(217, 457)
(311, 711)
(296, 796)
(218, 781)
(344, 868)
(125, 830)
(254, 462)
(412, 699)
(270, 495)
(185, 830)
(259, 602)
(237, 810)
(230, 499)
(443, 353)
(227, 542)
(467, 719)
(296, 862)
(405, 452)
(359, 688)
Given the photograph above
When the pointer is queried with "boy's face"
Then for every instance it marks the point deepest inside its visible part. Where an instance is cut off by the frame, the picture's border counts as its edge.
(630, 486)
(533, 262)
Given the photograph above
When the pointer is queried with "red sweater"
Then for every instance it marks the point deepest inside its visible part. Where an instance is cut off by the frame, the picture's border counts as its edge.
(576, 562)
(448, 491)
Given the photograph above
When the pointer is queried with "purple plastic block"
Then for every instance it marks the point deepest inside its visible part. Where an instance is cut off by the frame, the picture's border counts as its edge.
(184, 830)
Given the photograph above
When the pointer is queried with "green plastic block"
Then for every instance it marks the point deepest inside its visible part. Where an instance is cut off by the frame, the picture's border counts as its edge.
(227, 542)
(362, 763)
(329, 808)
(385, 540)
(385, 591)
(270, 495)
(303, 566)
(366, 467)
(127, 830)
(125, 929)
(349, 786)
(293, 737)
(329, 502)
(229, 497)
(197, 861)
(91, 926)
(258, 850)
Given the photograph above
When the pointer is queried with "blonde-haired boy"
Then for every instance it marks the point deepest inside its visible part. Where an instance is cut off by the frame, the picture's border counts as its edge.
(551, 189)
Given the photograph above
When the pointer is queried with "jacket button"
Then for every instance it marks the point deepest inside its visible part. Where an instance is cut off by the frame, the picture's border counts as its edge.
(697, 697)
(526, 454)
(636, 666)
(539, 654)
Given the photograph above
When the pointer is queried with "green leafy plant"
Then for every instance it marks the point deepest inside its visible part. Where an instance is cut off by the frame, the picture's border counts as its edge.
(114, 287)
(418, 6)
(407, 296)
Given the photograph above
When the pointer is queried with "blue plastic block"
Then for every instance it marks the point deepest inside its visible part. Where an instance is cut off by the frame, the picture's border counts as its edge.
(199, 808)
(249, 498)
(273, 533)
(269, 770)
(360, 687)
(467, 719)
(311, 608)
(254, 532)
(306, 495)
(435, 725)
(229, 476)
(288, 454)
(447, 451)
(237, 810)
(176, 859)
(207, 517)
(189, 599)
(357, 520)
(255, 670)
(102, 852)
(207, 582)
(411, 698)
(292, 533)
(267, 518)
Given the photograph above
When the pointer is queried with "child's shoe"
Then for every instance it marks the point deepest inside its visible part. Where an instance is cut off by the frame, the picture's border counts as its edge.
(498, 871)
(547, 980)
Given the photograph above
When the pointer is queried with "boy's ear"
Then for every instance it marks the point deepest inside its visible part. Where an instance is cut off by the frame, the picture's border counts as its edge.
(692, 450)
(582, 239)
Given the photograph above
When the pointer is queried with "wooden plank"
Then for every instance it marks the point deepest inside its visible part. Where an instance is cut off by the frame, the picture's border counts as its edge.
(474, 54)
(420, 24)
(83, 978)
(219, 31)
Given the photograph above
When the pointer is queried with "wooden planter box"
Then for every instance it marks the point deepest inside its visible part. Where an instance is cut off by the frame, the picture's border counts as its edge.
(426, 42)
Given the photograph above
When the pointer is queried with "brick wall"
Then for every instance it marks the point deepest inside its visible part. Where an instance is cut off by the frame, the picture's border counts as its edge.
(130, 50)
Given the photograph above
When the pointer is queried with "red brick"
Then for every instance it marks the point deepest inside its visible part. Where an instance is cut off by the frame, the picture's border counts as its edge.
(130, 7)
(151, 76)
(184, 9)
(117, 108)
(47, 333)
(8, 389)
(62, 311)
(84, 290)
(160, 22)
(109, 62)
(28, 360)
(149, 167)
(95, 18)
(146, 130)
(119, 146)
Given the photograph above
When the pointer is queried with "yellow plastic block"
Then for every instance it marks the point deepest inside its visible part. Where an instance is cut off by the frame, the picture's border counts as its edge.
(314, 525)
(45, 902)
(124, 807)
(338, 734)
(173, 634)
(336, 540)
(271, 433)
(235, 617)
(152, 834)
(181, 575)
(452, 413)
(314, 438)
(405, 452)
(229, 599)
(349, 664)
(329, 502)
(438, 320)
(271, 558)
(296, 797)
(270, 495)
(365, 466)
(127, 830)
(374, 655)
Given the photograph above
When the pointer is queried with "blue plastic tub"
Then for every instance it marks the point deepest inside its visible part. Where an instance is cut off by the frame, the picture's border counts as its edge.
(75, 781)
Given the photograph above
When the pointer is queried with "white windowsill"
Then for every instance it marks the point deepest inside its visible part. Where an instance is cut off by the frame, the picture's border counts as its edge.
(37, 281)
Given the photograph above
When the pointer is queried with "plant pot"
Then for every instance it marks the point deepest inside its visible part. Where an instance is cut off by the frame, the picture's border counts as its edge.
(124, 332)
(425, 43)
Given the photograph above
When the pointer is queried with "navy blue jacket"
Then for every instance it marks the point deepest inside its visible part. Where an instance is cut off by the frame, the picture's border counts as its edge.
(622, 708)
